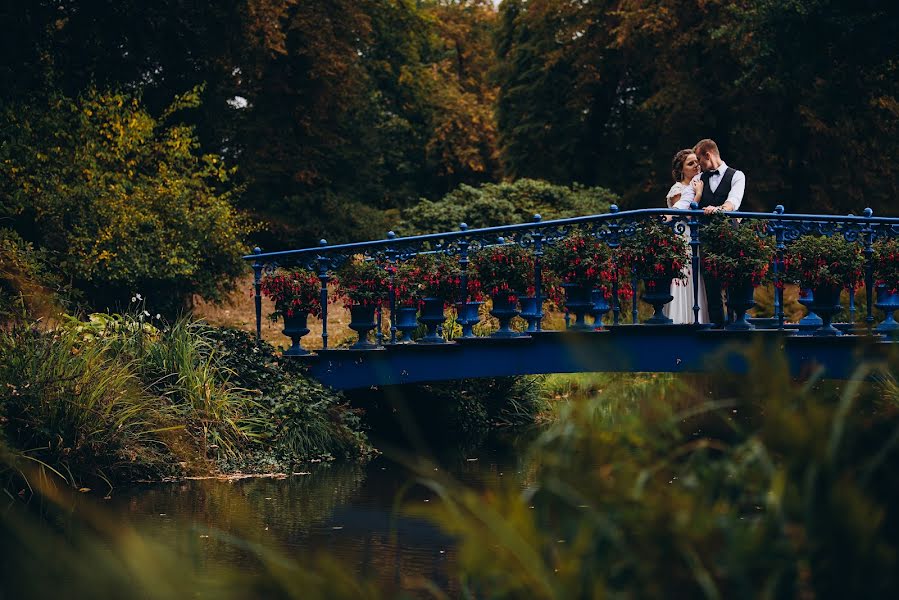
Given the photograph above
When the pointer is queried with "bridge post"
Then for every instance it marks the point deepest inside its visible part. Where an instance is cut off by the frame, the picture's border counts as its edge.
(324, 263)
(778, 265)
(463, 264)
(613, 244)
(868, 232)
(257, 287)
(391, 268)
(538, 273)
(694, 260)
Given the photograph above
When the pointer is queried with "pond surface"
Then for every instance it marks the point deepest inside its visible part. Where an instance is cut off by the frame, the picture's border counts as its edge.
(349, 511)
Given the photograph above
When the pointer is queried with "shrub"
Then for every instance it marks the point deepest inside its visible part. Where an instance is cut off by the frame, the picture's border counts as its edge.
(502, 269)
(293, 290)
(74, 403)
(886, 263)
(299, 418)
(124, 199)
(655, 251)
(813, 261)
(733, 252)
(434, 275)
(496, 204)
(362, 282)
(581, 259)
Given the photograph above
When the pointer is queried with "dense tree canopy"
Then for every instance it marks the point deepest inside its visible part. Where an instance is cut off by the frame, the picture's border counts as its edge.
(341, 115)
(124, 201)
(801, 95)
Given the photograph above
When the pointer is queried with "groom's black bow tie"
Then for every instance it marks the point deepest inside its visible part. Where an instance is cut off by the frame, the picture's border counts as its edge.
(713, 173)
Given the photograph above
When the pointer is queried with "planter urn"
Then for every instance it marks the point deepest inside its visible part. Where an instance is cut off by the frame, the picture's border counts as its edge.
(579, 303)
(740, 298)
(826, 303)
(432, 316)
(600, 306)
(658, 294)
(362, 321)
(530, 312)
(295, 328)
(888, 302)
(468, 317)
(504, 309)
(406, 322)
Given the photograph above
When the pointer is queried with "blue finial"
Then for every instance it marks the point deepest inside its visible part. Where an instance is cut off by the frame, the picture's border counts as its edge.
(613, 208)
(463, 226)
(779, 209)
(322, 242)
(390, 235)
(500, 240)
(869, 213)
(257, 250)
(537, 218)
(694, 206)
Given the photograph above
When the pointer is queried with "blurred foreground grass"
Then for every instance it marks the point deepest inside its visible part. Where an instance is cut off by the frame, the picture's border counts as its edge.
(642, 486)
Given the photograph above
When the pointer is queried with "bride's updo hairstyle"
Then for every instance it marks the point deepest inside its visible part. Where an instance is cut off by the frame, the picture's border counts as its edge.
(677, 165)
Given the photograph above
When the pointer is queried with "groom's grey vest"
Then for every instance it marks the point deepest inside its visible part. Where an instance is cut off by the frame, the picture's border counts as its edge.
(719, 196)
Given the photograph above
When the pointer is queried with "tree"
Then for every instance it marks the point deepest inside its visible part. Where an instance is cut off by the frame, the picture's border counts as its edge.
(124, 201)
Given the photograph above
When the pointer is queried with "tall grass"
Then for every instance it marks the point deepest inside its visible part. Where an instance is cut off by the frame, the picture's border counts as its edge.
(70, 402)
(793, 495)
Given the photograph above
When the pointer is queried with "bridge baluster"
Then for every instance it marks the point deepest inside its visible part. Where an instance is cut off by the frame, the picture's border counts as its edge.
(324, 263)
(613, 244)
(463, 264)
(538, 276)
(634, 282)
(778, 267)
(868, 232)
(694, 260)
(391, 269)
(257, 286)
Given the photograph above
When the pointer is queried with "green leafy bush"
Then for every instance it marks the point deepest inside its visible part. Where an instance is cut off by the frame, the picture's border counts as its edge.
(496, 204)
(813, 261)
(123, 198)
(299, 418)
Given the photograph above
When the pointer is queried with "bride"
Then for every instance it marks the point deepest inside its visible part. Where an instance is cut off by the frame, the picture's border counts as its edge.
(684, 169)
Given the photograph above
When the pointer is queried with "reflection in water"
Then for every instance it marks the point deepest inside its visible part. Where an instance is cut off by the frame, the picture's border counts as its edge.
(348, 511)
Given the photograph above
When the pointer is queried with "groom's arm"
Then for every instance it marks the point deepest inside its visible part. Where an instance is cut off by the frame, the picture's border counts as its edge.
(737, 188)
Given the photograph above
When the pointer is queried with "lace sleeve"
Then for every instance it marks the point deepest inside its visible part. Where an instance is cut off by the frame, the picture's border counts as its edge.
(676, 190)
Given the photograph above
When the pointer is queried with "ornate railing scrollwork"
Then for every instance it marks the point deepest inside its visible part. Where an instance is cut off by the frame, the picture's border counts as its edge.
(612, 227)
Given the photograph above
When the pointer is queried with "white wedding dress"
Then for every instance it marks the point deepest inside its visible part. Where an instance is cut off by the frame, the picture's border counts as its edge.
(680, 309)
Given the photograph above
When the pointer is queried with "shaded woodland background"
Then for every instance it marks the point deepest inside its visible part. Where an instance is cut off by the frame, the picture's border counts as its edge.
(147, 145)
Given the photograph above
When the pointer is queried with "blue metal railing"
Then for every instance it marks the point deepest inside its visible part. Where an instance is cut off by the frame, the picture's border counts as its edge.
(612, 227)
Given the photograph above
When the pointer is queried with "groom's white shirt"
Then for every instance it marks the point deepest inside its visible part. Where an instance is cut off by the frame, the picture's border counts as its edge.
(737, 186)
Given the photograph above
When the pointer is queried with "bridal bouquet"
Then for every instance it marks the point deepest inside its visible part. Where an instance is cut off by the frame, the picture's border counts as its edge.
(814, 261)
(735, 253)
(292, 291)
(502, 269)
(655, 252)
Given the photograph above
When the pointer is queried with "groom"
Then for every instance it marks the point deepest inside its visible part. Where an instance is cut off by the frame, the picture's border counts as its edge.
(722, 190)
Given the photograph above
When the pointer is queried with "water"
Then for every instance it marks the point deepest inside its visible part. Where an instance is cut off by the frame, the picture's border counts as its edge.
(356, 513)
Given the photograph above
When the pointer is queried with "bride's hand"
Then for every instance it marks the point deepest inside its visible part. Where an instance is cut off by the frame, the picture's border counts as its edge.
(697, 186)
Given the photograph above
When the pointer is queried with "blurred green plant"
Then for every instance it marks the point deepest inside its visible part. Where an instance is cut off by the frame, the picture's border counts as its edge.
(791, 494)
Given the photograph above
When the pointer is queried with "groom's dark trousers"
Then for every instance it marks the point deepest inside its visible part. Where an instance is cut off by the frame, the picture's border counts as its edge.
(712, 285)
(713, 299)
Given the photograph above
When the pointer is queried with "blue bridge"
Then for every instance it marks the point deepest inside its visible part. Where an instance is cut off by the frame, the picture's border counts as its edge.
(616, 340)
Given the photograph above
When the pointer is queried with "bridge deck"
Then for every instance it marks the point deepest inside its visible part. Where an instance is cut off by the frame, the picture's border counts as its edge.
(625, 348)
